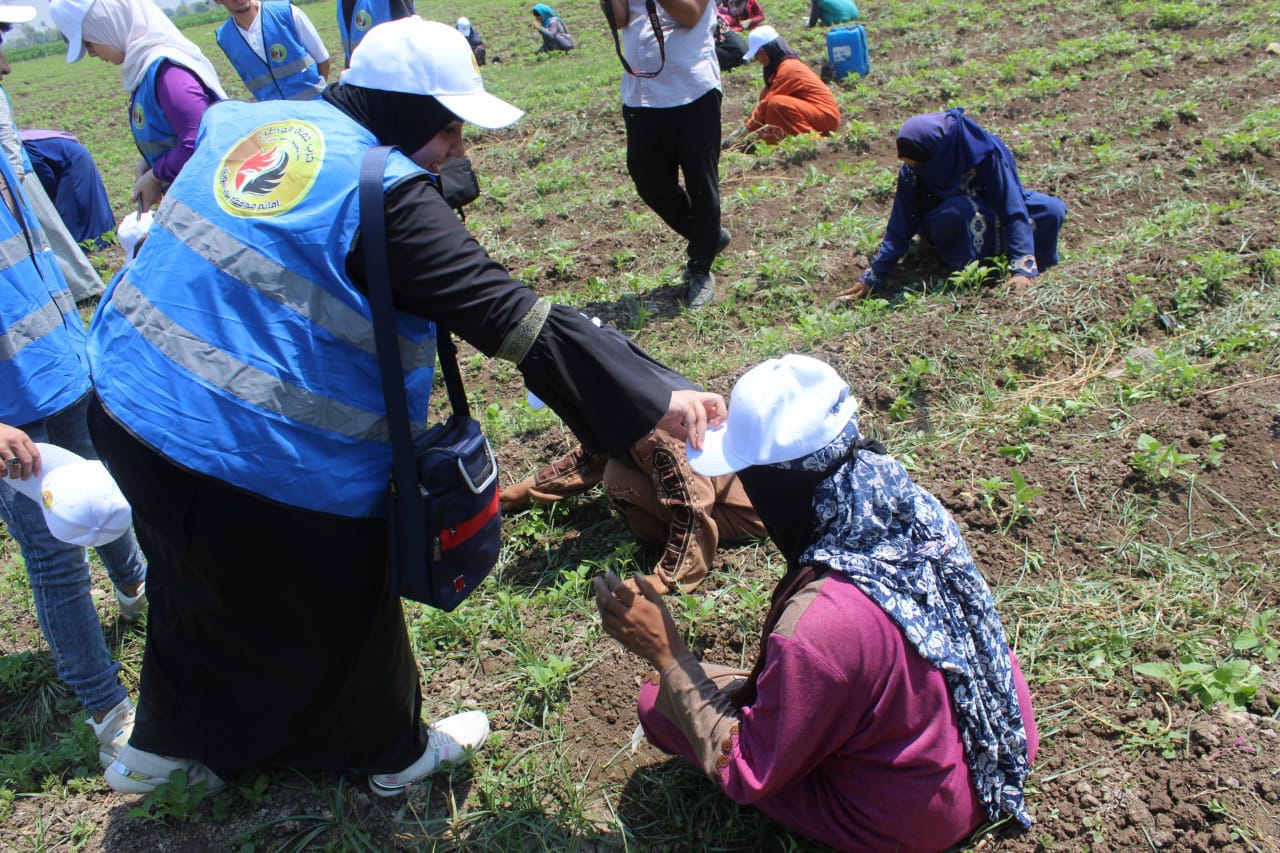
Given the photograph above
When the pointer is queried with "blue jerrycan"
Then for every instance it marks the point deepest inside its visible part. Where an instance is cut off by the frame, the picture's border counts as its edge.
(847, 51)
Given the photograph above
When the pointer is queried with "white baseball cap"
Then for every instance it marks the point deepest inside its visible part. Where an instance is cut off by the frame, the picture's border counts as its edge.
(68, 16)
(82, 503)
(757, 39)
(420, 57)
(17, 14)
(780, 410)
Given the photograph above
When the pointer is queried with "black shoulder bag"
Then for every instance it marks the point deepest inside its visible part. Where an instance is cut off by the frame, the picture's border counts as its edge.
(443, 523)
(651, 10)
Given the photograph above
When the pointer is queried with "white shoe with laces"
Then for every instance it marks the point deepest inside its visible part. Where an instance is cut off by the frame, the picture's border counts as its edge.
(451, 741)
(137, 772)
(113, 732)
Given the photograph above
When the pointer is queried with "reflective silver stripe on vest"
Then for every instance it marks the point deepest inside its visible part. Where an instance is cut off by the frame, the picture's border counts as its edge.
(35, 325)
(14, 249)
(310, 93)
(281, 71)
(281, 284)
(242, 380)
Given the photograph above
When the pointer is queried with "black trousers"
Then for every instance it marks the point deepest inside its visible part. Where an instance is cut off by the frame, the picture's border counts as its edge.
(273, 638)
(665, 143)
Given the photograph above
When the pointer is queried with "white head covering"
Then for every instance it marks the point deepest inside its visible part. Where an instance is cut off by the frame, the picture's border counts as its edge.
(464, 26)
(16, 14)
(418, 57)
(139, 30)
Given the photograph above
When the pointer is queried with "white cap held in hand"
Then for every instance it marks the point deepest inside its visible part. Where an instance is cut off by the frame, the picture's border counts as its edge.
(82, 503)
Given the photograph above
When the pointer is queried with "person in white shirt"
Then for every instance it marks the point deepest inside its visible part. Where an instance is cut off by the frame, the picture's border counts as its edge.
(671, 106)
(275, 49)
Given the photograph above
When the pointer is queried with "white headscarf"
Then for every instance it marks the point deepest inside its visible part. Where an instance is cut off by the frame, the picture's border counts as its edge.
(143, 33)
(464, 26)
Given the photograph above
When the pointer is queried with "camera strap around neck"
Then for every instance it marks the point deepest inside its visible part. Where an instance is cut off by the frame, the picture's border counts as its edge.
(651, 10)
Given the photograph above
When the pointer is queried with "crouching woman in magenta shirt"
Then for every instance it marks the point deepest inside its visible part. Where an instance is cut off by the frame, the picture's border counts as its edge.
(886, 710)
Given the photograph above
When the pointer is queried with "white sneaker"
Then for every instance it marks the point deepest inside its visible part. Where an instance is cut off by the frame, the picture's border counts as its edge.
(113, 732)
(451, 740)
(138, 772)
(132, 606)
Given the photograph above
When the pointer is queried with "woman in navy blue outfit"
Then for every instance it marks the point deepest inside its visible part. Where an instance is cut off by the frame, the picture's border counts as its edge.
(958, 188)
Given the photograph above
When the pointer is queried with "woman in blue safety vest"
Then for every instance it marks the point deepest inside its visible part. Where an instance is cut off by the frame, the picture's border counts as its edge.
(169, 81)
(240, 408)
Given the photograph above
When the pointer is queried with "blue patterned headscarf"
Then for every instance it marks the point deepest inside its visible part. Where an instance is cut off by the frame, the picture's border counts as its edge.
(902, 548)
(545, 12)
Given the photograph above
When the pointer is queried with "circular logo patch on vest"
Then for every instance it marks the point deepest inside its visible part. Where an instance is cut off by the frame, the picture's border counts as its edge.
(278, 52)
(271, 170)
(138, 117)
(363, 20)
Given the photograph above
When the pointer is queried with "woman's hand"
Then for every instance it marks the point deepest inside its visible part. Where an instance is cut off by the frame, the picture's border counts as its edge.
(689, 413)
(1020, 282)
(19, 456)
(634, 614)
(147, 191)
(859, 290)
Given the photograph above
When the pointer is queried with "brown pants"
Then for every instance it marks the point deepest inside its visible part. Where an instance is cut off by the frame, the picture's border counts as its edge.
(661, 499)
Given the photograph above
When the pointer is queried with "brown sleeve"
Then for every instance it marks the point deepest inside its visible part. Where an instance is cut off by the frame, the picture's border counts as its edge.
(702, 711)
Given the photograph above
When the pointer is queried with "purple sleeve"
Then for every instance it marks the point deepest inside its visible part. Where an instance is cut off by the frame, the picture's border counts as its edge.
(184, 99)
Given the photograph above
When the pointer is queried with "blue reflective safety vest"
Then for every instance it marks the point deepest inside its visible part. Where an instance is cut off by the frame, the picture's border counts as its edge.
(43, 368)
(365, 15)
(235, 344)
(289, 72)
(152, 132)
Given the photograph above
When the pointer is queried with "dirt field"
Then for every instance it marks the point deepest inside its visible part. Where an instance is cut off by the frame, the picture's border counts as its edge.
(1125, 762)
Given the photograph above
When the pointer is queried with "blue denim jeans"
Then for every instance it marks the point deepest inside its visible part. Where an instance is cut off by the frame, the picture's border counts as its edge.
(59, 574)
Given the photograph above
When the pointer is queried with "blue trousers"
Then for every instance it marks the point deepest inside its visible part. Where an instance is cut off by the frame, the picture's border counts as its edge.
(961, 229)
(59, 574)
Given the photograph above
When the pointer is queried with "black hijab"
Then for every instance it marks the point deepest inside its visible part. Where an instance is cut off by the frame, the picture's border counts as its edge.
(776, 50)
(405, 121)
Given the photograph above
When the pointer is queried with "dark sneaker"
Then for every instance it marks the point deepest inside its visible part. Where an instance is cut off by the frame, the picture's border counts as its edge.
(725, 239)
(702, 289)
(721, 244)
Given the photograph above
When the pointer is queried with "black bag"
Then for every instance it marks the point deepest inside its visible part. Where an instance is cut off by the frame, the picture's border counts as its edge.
(458, 183)
(445, 527)
(730, 48)
(443, 521)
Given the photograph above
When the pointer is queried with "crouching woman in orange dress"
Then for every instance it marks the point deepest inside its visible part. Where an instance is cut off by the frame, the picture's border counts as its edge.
(794, 100)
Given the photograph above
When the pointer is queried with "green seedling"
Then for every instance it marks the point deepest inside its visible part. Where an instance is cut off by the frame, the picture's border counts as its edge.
(974, 275)
(1216, 449)
(175, 801)
(1019, 453)
(1234, 682)
(1256, 638)
(1158, 462)
(1144, 735)
(1009, 501)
